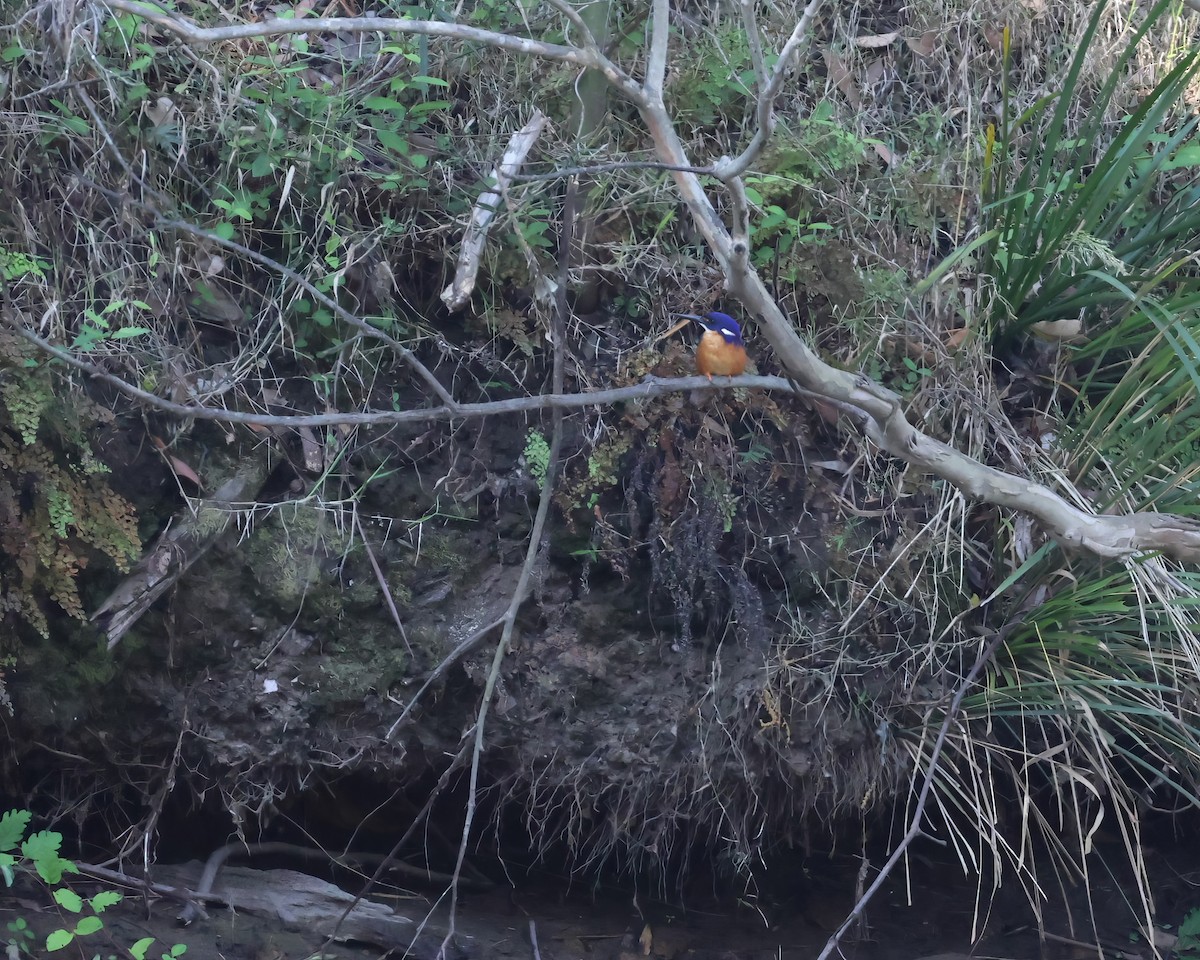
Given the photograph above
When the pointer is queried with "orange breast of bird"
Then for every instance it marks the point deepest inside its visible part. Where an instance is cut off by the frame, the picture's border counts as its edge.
(716, 357)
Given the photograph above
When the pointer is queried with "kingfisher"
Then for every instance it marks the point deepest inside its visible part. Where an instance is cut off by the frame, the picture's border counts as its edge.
(721, 351)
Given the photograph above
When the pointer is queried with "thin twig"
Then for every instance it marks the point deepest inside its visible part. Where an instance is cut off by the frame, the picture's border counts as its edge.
(534, 552)
(915, 826)
(588, 39)
(383, 585)
(473, 641)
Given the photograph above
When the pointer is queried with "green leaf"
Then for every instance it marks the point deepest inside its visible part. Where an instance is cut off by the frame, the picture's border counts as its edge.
(385, 103)
(393, 141)
(105, 899)
(225, 230)
(59, 939)
(68, 899)
(88, 925)
(43, 845)
(429, 106)
(73, 123)
(1186, 156)
(138, 950)
(12, 828)
(1190, 927)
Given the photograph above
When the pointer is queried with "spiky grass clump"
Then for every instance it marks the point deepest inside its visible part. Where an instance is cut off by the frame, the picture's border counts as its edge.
(1089, 708)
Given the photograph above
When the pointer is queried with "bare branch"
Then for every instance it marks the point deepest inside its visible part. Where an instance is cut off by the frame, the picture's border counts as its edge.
(276, 26)
(727, 168)
(456, 295)
(190, 32)
(649, 387)
(754, 42)
(594, 168)
(740, 215)
(656, 54)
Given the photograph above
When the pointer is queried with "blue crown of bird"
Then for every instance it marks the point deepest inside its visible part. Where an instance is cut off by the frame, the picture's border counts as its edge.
(721, 351)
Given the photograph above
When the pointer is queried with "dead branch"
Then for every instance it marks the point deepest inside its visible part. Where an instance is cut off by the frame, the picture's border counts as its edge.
(536, 549)
(648, 388)
(456, 295)
(768, 86)
(185, 541)
(274, 27)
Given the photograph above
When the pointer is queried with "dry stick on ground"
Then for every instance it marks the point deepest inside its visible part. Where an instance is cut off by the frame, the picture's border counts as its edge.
(1115, 536)
(916, 823)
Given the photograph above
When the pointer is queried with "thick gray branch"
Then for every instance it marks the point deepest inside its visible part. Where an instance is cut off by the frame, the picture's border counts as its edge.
(191, 33)
(656, 51)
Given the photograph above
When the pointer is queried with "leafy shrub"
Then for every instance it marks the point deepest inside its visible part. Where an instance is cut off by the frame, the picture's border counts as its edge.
(56, 508)
(39, 858)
